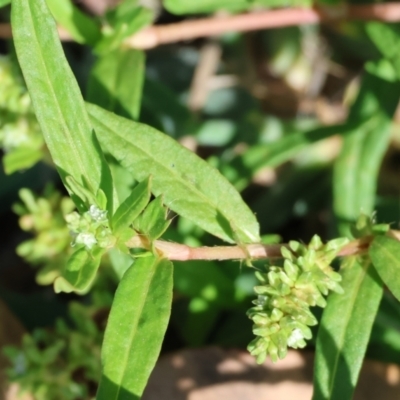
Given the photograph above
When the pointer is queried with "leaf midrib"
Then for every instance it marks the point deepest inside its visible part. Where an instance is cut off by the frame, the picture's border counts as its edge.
(192, 188)
(134, 331)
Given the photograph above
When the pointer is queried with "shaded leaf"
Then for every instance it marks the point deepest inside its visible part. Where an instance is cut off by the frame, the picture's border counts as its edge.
(80, 271)
(132, 206)
(153, 220)
(358, 164)
(21, 158)
(81, 27)
(126, 19)
(116, 82)
(386, 38)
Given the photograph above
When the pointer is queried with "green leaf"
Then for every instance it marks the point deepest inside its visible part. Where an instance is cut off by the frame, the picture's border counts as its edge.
(84, 194)
(153, 220)
(21, 158)
(128, 18)
(386, 38)
(201, 6)
(385, 255)
(358, 164)
(132, 206)
(209, 6)
(4, 3)
(55, 94)
(276, 153)
(191, 187)
(80, 271)
(116, 82)
(136, 327)
(344, 331)
(81, 27)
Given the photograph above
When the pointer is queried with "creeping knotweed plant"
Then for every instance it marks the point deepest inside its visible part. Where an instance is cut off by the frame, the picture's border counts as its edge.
(44, 217)
(281, 314)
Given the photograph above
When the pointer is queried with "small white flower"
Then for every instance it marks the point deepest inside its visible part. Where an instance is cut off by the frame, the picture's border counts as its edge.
(87, 239)
(295, 337)
(96, 214)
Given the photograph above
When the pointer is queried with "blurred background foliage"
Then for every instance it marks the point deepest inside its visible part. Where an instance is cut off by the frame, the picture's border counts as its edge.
(275, 111)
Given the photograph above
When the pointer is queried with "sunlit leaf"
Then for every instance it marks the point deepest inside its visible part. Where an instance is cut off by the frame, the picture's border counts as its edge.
(56, 97)
(135, 329)
(385, 255)
(344, 331)
(190, 186)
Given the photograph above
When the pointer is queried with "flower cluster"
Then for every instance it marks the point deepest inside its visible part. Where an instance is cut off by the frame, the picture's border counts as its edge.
(44, 217)
(91, 228)
(281, 314)
(64, 362)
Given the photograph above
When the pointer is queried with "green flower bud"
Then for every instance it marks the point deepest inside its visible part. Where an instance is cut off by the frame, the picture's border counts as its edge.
(286, 253)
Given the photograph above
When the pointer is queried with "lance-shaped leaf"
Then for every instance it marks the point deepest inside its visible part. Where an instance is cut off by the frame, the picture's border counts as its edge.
(126, 19)
(345, 330)
(21, 158)
(132, 206)
(190, 186)
(116, 82)
(357, 167)
(81, 27)
(385, 255)
(135, 329)
(153, 222)
(55, 94)
(80, 271)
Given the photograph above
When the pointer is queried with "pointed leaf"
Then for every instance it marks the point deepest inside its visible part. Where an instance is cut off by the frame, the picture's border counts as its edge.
(358, 164)
(385, 255)
(153, 220)
(21, 158)
(190, 186)
(116, 82)
(80, 270)
(81, 27)
(129, 17)
(136, 327)
(56, 97)
(386, 38)
(132, 206)
(345, 330)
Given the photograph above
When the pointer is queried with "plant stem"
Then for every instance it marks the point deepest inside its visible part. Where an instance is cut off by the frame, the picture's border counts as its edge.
(205, 27)
(182, 252)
